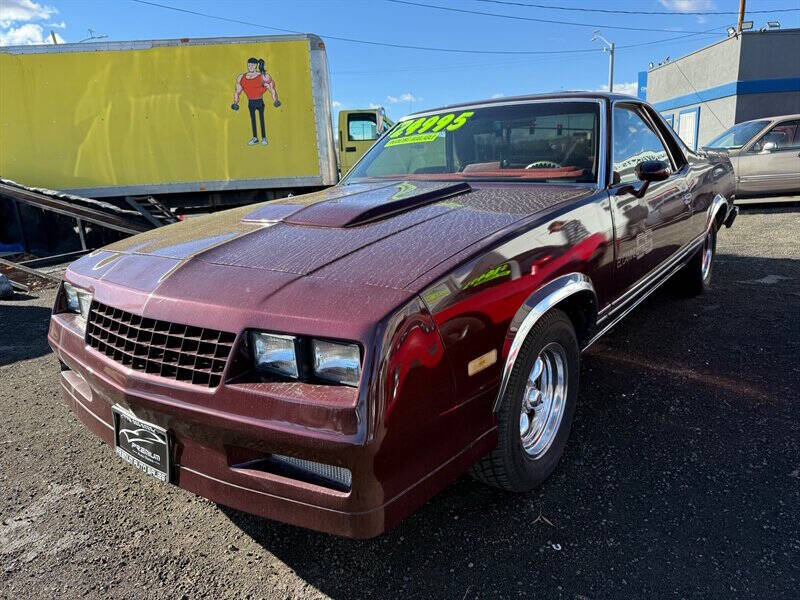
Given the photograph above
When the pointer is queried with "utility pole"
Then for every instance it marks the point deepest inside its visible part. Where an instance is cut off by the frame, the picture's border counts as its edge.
(741, 16)
(610, 49)
(53, 35)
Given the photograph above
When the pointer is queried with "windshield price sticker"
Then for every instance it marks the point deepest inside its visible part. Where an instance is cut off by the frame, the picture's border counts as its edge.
(426, 129)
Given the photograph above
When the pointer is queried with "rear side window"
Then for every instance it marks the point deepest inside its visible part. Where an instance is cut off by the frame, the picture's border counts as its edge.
(634, 141)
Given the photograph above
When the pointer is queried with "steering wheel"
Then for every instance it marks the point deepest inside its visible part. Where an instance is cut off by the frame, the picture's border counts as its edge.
(544, 164)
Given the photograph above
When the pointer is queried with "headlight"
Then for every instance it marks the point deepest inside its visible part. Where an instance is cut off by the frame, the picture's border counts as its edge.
(337, 362)
(275, 353)
(78, 301)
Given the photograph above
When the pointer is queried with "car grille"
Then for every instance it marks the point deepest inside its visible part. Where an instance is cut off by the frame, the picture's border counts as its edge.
(181, 352)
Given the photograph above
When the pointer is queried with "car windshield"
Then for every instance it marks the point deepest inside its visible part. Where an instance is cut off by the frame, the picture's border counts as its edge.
(737, 136)
(536, 141)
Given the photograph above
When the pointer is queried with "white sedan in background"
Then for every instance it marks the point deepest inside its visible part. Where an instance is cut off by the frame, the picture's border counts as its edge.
(765, 154)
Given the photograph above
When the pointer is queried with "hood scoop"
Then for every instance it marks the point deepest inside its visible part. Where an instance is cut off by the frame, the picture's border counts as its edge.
(375, 203)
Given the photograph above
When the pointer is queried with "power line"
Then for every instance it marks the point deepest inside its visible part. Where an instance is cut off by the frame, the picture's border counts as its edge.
(472, 65)
(410, 47)
(696, 93)
(505, 63)
(663, 41)
(550, 21)
(367, 42)
(636, 12)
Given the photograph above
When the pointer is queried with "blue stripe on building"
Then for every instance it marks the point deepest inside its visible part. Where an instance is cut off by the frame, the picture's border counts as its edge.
(753, 86)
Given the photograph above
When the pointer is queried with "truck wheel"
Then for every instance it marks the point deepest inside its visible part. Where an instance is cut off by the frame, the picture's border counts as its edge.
(536, 411)
(695, 277)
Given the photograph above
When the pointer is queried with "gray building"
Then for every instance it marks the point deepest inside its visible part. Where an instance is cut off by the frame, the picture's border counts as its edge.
(746, 76)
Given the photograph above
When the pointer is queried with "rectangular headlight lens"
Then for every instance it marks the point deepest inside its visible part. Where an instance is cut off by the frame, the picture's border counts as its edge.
(275, 353)
(78, 301)
(337, 362)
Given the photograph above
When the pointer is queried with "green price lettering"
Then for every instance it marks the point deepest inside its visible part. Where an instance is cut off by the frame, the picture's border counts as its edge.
(460, 120)
(429, 122)
(413, 126)
(443, 122)
(400, 128)
(413, 130)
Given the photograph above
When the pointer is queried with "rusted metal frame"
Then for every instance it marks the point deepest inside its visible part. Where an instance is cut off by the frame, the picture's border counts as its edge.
(45, 259)
(69, 209)
(143, 211)
(29, 270)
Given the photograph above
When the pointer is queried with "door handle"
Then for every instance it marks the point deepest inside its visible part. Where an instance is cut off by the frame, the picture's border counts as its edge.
(350, 149)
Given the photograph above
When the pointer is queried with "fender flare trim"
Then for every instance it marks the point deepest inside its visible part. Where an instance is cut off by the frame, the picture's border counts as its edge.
(717, 204)
(533, 309)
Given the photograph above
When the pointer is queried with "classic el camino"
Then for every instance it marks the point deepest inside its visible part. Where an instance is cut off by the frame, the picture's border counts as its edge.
(333, 360)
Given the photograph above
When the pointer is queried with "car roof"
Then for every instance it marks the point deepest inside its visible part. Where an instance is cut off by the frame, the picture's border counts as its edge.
(565, 95)
(775, 118)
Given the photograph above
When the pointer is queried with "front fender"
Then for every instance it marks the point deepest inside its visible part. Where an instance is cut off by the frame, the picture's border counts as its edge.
(533, 309)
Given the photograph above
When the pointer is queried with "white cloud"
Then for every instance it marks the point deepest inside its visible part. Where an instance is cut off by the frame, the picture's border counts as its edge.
(27, 34)
(407, 97)
(336, 104)
(630, 88)
(61, 25)
(498, 95)
(373, 105)
(14, 11)
(686, 6)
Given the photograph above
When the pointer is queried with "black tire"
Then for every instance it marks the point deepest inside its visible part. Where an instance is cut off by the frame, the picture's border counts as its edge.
(692, 279)
(509, 466)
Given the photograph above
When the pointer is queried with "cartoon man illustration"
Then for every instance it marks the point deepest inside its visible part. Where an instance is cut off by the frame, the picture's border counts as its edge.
(254, 83)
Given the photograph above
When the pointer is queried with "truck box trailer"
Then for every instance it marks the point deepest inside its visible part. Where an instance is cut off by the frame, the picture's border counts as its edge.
(191, 121)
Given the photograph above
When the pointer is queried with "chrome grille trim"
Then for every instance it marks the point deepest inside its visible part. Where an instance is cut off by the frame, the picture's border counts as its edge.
(181, 352)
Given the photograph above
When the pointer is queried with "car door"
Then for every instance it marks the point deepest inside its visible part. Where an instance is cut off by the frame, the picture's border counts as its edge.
(771, 164)
(650, 229)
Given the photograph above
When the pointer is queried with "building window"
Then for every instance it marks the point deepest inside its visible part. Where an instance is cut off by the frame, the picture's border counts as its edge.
(670, 119)
(688, 126)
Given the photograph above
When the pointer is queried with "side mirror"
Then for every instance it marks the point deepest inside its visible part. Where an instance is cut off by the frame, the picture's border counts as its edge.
(646, 171)
(769, 146)
(652, 170)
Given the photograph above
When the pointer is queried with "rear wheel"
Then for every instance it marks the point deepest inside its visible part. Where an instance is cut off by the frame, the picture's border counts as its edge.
(536, 411)
(695, 277)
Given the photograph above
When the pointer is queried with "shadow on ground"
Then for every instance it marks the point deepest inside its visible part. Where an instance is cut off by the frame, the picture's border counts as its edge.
(681, 474)
(23, 330)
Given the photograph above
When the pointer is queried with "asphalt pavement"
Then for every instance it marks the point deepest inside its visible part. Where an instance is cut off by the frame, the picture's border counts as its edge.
(681, 478)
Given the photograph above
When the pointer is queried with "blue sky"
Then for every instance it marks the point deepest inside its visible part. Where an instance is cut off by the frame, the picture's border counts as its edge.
(405, 79)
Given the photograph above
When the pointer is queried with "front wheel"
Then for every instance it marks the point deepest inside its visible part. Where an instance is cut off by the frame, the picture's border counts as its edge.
(537, 409)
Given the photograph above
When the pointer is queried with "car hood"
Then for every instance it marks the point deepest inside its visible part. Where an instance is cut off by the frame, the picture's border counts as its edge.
(381, 234)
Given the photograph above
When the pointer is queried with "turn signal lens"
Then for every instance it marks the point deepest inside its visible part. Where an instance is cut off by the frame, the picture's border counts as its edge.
(275, 353)
(337, 362)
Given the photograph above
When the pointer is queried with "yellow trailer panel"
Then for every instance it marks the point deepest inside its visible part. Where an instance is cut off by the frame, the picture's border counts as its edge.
(110, 119)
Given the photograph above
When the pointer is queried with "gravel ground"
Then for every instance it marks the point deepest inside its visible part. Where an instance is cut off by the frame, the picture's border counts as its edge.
(681, 478)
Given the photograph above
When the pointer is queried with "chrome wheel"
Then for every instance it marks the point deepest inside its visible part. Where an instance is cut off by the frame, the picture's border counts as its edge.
(708, 256)
(543, 400)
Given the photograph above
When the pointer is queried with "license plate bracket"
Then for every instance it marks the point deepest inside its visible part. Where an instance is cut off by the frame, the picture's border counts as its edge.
(144, 445)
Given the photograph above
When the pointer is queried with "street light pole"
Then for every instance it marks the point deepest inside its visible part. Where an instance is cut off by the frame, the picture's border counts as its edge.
(610, 49)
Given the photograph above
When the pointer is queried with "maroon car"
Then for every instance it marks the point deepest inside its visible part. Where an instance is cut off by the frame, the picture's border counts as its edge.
(333, 360)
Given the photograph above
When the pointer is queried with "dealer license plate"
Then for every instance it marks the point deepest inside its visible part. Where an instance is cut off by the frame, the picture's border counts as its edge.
(142, 444)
